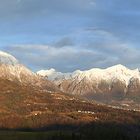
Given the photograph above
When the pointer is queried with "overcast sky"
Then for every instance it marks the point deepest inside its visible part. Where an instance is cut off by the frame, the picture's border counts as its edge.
(71, 34)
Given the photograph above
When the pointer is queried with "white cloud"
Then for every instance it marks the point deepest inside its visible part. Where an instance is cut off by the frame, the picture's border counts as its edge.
(83, 49)
(71, 58)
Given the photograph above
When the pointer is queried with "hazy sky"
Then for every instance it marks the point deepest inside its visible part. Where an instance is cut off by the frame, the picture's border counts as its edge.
(71, 34)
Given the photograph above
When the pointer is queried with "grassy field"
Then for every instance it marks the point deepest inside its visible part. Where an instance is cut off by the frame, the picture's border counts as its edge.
(89, 132)
(58, 136)
(51, 135)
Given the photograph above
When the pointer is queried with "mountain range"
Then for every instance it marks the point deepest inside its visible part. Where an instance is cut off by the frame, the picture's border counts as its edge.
(106, 85)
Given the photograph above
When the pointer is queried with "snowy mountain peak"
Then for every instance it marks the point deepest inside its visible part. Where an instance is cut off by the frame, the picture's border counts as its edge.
(118, 67)
(11, 69)
(118, 72)
(47, 72)
(52, 74)
(7, 59)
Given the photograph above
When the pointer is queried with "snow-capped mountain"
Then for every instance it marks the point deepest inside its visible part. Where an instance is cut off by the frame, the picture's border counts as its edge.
(53, 75)
(11, 69)
(110, 74)
(117, 80)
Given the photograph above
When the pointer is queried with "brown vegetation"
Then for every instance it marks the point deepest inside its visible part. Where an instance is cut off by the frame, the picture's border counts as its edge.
(27, 107)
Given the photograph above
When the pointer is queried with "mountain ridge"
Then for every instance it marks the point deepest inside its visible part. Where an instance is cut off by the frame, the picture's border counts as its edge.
(115, 71)
(113, 83)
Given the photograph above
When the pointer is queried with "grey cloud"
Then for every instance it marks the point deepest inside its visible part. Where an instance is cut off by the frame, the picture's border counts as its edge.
(66, 41)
